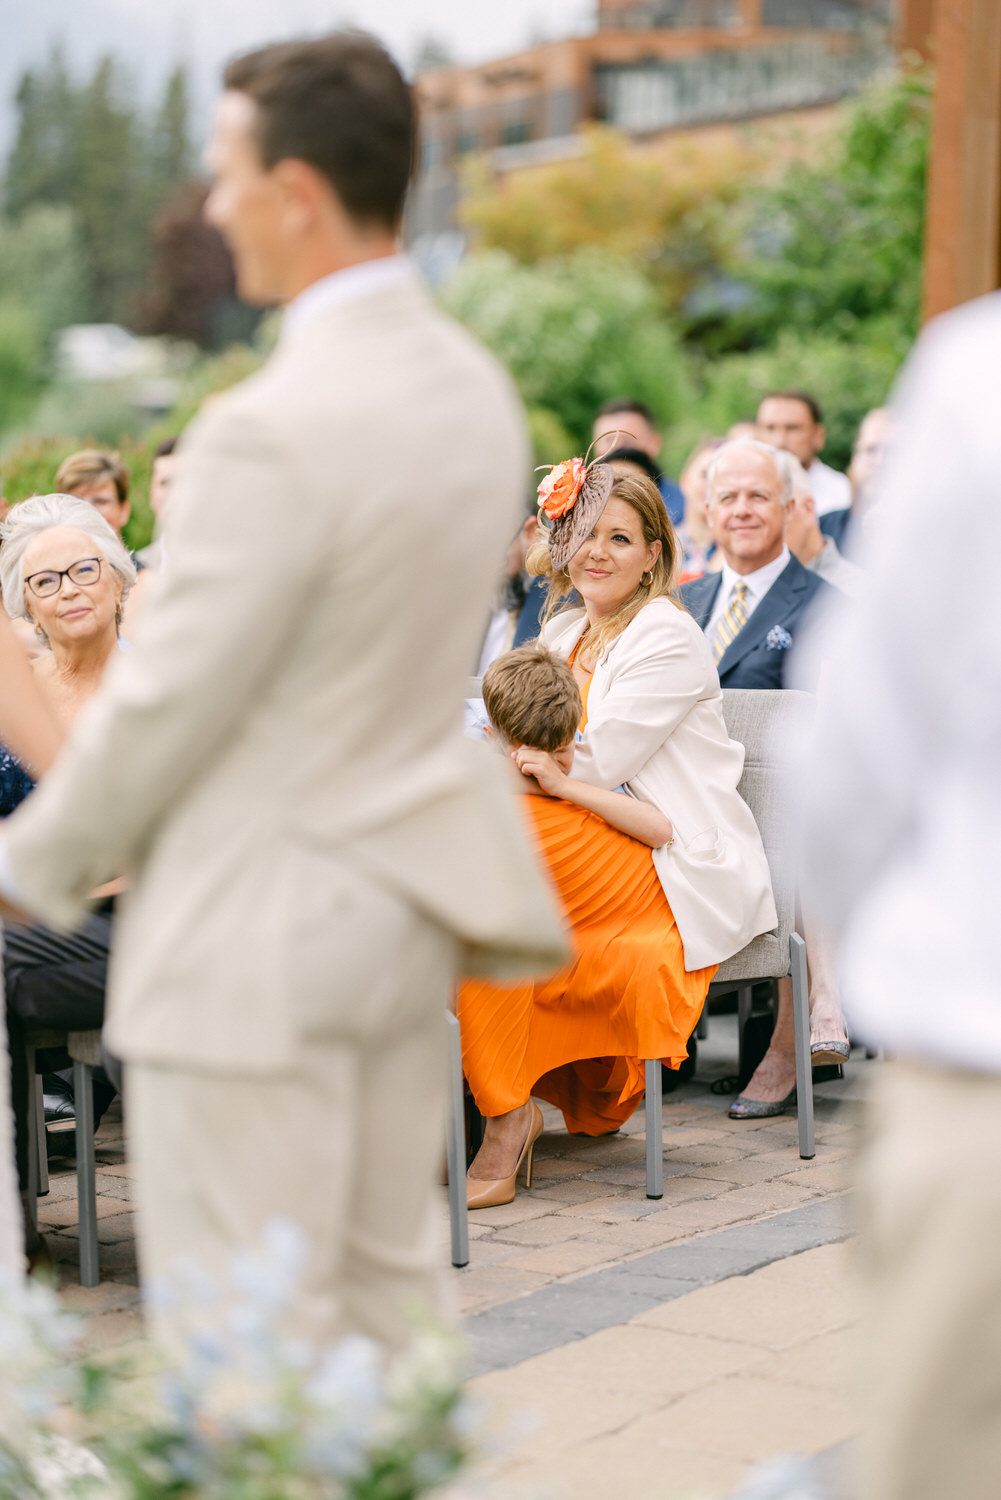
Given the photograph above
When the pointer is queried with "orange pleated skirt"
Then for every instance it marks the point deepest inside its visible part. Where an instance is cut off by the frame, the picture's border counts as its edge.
(578, 1038)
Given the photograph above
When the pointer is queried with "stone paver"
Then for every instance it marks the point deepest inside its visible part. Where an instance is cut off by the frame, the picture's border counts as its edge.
(658, 1347)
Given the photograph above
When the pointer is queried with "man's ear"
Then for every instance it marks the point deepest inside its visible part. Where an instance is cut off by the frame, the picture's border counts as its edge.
(489, 732)
(819, 438)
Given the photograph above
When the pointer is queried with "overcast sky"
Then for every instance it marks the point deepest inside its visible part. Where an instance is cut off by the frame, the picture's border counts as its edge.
(152, 34)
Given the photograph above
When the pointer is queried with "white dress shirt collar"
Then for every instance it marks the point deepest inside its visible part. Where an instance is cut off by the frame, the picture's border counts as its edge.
(758, 582)
(349, 285)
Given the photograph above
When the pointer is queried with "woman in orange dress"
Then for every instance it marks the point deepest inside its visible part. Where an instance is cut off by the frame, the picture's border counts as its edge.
(651, 925)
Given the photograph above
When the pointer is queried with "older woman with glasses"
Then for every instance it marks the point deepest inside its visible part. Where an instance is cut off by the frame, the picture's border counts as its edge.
(64, 570)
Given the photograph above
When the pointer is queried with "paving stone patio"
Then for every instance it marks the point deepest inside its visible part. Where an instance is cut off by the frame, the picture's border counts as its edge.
(660, 1349)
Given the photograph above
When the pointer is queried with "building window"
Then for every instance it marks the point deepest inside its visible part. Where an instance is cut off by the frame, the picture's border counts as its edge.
(514, 135)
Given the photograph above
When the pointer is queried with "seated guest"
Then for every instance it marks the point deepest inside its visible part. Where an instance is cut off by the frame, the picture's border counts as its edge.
(751, 613)
(100, 478)
(695, 532)
(792, 420)
(625, 423)
(752, 608)
(515, 616)
(160, 480)
(63, 569)
(650, 927)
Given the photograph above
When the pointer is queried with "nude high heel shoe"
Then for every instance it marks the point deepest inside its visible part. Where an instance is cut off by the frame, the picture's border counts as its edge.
(492, 1194)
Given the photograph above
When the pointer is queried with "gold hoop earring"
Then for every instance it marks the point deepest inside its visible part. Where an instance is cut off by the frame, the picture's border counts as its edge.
(118, 614)
(39, 632)
(648, 578)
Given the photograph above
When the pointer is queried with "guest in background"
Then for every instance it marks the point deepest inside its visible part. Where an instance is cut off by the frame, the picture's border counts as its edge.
(624, 459)
(627, 423)
(696, 531)
(160, 480)
(808, 542)
(792, 420)
(515, 616)
(752, 608)
(64, 570)
(101, 478)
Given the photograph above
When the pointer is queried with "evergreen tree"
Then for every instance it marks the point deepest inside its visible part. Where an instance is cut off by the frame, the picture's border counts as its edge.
(41, 163)
(171, 152)
(110, 193)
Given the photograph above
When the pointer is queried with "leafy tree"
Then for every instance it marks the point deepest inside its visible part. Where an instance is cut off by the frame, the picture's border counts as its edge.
(574, 332)
(666, 212)
(191, 290)
(838, 241)
(22, 363)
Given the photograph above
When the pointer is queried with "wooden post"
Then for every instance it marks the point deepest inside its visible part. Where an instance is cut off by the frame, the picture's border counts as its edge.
(917, 26)
(963, 223)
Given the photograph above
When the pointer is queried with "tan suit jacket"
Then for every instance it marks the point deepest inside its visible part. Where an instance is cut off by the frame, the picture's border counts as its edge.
(655, 724)
(291, 711)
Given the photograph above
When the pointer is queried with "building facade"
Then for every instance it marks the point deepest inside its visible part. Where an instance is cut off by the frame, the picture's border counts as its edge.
(649, 67)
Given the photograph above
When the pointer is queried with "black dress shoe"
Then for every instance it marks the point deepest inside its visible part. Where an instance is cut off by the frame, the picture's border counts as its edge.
(57, 1097)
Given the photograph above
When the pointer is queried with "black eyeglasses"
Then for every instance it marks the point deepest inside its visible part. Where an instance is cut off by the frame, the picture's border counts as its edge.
(84, 573)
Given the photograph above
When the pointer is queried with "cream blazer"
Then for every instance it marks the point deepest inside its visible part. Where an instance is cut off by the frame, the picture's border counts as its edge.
(655, 724)
(291, 710)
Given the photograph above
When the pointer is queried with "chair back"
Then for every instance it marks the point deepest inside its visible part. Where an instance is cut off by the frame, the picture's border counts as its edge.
(770, 723)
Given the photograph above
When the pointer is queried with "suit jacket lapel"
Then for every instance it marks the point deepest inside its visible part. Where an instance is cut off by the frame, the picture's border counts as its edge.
(704, 598)
(773, 610)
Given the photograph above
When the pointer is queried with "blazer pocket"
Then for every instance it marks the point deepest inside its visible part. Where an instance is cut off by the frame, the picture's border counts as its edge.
(707, 846)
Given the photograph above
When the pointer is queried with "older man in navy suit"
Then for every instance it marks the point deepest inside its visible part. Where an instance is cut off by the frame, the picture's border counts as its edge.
(752, 609)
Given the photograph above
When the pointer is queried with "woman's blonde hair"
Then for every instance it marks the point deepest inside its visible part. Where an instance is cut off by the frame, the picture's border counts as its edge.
(645, 498)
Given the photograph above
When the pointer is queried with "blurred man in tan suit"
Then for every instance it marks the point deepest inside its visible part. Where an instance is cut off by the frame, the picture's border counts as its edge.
(312, 851)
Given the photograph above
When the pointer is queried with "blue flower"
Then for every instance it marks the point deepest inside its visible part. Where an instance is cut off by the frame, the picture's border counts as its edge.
(778, 639)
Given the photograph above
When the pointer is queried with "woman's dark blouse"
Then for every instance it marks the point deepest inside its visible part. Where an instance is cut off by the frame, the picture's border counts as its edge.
(15, 784)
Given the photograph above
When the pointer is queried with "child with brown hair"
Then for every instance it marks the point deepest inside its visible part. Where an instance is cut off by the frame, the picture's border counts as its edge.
(534, 707)
(578, 1038)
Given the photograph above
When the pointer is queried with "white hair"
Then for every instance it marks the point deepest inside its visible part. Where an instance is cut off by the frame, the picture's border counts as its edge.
(781, 460)
(45, 513)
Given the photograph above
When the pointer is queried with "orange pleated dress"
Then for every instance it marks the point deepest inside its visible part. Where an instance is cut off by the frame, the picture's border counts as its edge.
(578, 1038)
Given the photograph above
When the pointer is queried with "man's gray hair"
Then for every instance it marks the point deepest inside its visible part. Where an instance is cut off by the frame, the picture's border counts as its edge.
(44, 513)
(778, 456)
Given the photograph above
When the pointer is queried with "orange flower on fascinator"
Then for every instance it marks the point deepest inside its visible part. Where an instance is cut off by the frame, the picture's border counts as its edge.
(559, 490)
(572, 497)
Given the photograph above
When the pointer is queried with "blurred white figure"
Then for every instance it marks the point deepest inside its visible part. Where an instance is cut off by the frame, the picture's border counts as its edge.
(903, 829)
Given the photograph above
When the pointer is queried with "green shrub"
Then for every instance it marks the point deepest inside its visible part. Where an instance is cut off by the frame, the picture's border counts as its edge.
(573, 332)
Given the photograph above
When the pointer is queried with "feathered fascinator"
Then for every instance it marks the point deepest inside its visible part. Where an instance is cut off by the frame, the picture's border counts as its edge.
(571, 497)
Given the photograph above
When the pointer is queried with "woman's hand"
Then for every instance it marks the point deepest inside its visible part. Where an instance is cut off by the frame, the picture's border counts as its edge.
(543, 767)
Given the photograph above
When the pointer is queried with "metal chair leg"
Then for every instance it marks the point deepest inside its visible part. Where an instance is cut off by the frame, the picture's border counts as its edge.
(458, 1213)
(801, 1033)
(654, 1110)
(38, 1095)
(86, 1173)
(745, 1004)
(36, 1138)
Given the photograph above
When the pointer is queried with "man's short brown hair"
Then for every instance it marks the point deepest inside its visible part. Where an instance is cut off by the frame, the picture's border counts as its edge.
(89, 468)
(532, 699)
(341, 104)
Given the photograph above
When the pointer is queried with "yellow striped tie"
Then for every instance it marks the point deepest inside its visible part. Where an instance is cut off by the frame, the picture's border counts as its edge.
(733, 621)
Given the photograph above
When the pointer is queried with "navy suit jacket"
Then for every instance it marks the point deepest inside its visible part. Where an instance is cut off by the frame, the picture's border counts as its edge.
(528, 625)
(833, 525)
(750, 661)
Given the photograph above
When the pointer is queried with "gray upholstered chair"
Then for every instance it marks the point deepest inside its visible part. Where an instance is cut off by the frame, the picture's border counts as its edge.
(84, 1048)
(767, 722)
